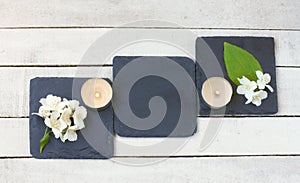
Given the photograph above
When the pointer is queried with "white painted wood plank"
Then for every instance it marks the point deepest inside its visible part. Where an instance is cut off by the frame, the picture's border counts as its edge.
(67, 46)
(15, 142)
(260, 169)
(16, 95)
(236, 136)
(268, 14)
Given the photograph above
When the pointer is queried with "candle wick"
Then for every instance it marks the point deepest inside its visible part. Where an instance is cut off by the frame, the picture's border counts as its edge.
(97, 94)
(217, 92)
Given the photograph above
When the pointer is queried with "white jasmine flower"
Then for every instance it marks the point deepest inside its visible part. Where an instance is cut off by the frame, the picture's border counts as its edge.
(247, 87)
(51, 102)
(257, 97)
(79, 115)
(56, 125)
(66, 116)
(263, 80)
(73, 104)
(70, 134)
(63, 105)
(43, 112)
(63, 117)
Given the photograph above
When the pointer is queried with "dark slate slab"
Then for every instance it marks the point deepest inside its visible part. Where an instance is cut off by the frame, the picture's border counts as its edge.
(263, 49)
(150, 86)
(85, 146)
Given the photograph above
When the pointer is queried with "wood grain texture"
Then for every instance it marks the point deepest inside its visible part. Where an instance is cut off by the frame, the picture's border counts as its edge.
(276, 14)
(236, 136)
(15, 86)
(67, 46)
(259, 169)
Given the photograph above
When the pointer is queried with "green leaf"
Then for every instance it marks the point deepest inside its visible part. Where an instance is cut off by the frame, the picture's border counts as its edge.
(45, 140)
(240, 62)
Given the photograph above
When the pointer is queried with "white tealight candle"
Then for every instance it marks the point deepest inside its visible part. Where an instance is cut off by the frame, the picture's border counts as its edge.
(216, 92)
(96, 93)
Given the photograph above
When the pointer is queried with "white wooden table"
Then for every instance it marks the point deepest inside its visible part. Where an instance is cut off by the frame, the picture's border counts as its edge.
(48, 38)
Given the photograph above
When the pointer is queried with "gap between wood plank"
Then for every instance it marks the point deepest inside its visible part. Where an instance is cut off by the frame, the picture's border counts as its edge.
(55, 65)
(130, 27)
(90, 65)
(227, 116)
(174, 157)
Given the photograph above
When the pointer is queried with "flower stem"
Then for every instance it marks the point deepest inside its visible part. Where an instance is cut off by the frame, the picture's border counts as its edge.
(45, 140)
(46, 130)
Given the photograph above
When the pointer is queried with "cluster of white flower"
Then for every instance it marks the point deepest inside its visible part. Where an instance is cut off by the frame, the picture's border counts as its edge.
(64, 117)
(254, 91)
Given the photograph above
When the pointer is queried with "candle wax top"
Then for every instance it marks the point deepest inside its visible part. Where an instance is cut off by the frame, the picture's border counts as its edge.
(216, 92)
(96, 93)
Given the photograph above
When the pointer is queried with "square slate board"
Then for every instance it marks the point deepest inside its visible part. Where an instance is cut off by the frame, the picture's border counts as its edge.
(146, 88)
(263, 50)
(80, 149)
